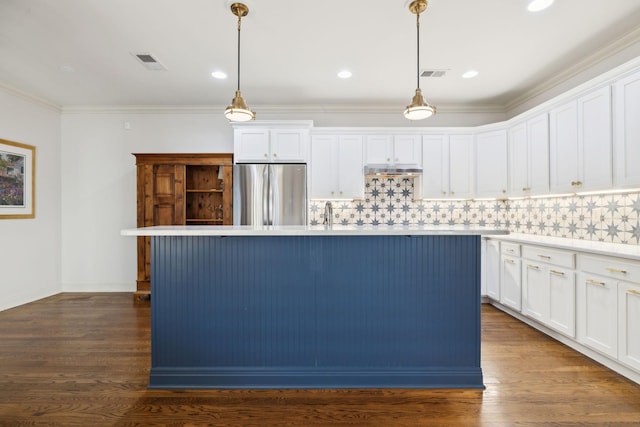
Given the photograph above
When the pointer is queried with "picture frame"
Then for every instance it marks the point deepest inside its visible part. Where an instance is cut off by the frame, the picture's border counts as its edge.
(17, 180)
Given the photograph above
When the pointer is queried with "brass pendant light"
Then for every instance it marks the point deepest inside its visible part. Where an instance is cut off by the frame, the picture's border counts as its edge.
(238, 111)
(418, 109)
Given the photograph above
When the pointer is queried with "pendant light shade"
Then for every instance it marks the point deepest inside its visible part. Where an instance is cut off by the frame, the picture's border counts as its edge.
(238, 111)
(419, 109)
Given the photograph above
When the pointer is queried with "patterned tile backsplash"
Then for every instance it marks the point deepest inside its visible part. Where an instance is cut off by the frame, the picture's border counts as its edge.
(605, 217)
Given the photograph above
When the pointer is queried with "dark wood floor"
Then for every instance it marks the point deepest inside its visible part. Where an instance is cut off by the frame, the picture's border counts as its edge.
(83, 359)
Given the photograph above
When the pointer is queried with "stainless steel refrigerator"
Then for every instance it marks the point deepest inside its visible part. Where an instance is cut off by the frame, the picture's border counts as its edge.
(270, 194)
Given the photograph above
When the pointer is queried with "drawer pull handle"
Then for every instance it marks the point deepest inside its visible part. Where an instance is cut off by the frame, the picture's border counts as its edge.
(510, 261)
(633, 292)
(509, 250)
(615, 270)
(595, 282)
(544, 256)
(535, 267)
(559, 273)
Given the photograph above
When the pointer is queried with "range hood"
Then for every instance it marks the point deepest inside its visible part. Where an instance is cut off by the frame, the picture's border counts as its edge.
(394, 171)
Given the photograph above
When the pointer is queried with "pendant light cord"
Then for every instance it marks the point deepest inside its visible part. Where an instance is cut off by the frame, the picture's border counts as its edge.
(239, 20)
(418, 44)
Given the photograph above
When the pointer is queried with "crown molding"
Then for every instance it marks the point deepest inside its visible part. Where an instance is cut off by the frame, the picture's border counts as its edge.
(274, 109)
(626, 41)
(30, 97)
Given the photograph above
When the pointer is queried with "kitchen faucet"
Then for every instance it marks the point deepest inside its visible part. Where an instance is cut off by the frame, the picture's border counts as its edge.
(328, 214)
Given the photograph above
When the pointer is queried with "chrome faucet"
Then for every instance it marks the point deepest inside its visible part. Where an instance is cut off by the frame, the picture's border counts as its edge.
(328, 214)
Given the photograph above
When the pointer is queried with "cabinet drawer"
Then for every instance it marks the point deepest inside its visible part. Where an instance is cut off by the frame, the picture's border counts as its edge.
(617, 268)
(549, 256)
(510, 249)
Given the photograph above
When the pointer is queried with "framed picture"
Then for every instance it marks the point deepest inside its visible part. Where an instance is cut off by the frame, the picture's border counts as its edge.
(17, 180)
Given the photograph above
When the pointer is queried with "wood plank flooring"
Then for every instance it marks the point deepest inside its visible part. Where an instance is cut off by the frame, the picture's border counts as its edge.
(83, 360)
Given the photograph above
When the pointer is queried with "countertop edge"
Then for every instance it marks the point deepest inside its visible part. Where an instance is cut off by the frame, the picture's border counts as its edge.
(619, 250)
(228, 231)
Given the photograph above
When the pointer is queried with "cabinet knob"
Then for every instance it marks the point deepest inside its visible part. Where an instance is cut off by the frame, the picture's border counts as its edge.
(504, 191)
(526, 189)
(275, 155)
(266, 155)
(388, 159)
(444, 193)
(576, 183)
(453, 192)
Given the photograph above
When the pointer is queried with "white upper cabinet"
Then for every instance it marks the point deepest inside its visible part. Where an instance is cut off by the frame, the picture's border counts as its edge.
(627, 132)
(448, 165)
(491, 164)
(538, 154)
(581, 144)
(435, 165)
(336, 167)
(270, 145)
(529, 157)
(393, 149)
(461, 166)
(518, 160)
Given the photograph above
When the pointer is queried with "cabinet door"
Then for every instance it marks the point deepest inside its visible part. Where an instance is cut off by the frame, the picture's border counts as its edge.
(379, 149)
(535, 291)
(518, 160)
(562, 300)
(324, 168)
(629, 324)
(407, 149)
(627, 132)
(251, 145)
(461, 166)
(594, 136)
(538, 154)
(597, 303)
(350, 167)
(492, 273)
(288, 145)
(435, 164)
(167, 196)
(511, 283)
(563, 144)
(491, 164)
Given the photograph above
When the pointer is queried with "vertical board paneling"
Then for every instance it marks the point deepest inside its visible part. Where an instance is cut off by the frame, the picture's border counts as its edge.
(295, 308)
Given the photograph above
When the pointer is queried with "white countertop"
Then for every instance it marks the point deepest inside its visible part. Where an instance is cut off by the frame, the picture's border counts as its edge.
(311, 230)
(590, 246)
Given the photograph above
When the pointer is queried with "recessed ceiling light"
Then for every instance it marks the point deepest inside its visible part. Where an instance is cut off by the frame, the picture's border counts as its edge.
(470, 74)
(345, 74)
(219, 75)
(538, 5)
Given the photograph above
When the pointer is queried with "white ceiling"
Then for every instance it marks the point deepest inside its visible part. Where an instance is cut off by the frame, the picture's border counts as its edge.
(79, 52)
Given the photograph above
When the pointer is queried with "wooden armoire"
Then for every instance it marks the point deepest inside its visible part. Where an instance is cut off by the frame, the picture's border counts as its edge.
(180, 189)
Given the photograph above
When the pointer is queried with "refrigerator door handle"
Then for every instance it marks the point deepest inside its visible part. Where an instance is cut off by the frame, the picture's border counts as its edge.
(274, 197)
(265, 195)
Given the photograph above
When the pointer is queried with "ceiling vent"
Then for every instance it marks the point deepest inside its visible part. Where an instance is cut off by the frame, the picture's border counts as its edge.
(433, 73)
(149, 62)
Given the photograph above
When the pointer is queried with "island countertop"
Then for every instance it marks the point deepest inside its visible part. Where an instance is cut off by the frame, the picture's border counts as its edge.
(311, 230)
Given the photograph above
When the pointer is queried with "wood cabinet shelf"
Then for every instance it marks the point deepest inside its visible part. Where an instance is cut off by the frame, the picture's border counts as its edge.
(180, 189)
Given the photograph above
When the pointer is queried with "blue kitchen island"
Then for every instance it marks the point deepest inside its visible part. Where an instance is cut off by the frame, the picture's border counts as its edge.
(311, 307)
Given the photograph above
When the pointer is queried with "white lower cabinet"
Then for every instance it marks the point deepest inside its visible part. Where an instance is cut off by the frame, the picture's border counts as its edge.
(492, 269)
(597, 301)
(510, 276)
(548, 287)
(629, 324)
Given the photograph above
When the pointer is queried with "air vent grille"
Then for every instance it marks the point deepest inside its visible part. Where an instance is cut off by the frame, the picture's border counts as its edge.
(433, 73)
(149, 61)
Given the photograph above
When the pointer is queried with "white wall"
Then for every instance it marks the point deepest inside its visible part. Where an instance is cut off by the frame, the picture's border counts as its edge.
(99, 186)
(30, 248)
